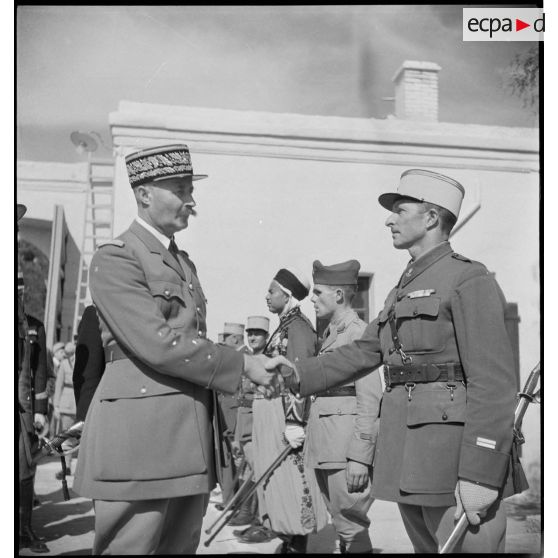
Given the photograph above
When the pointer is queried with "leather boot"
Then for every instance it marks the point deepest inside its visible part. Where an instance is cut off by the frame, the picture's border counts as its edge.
(27, 537)
(245, 516)
(298, 544)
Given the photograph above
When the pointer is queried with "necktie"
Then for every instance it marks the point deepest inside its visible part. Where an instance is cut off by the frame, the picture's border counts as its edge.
(173, 249)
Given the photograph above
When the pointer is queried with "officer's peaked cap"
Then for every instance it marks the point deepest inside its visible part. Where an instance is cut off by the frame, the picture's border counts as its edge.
(427, 186)
(344, 273)
(159, 163)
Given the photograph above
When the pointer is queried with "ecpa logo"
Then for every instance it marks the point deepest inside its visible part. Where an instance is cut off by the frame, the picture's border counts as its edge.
(503, 24)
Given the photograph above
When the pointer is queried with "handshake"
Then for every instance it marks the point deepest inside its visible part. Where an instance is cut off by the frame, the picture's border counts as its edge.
(271, 375)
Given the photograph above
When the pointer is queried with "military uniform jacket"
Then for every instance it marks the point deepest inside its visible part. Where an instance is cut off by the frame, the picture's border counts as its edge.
(344, 427)
(148, 432)
(448, 309)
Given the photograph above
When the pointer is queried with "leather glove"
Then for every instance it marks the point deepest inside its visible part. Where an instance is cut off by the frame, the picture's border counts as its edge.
(294, 434)
(473, 500)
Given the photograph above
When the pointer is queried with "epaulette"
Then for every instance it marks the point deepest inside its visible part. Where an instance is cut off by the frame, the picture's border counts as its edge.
(460, 257)
(113, 242)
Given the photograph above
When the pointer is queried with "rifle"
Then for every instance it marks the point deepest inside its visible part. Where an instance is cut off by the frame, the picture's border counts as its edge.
(235, 508)
(528, 395)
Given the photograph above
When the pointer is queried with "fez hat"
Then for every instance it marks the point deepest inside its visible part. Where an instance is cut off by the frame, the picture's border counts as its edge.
(345, 273)
(21, 210)
(293, 282)
(257, 322)
(427, 186)
(159, 163)
(233, 329)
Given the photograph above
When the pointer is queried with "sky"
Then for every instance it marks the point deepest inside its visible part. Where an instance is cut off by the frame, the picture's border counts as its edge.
(75, 63)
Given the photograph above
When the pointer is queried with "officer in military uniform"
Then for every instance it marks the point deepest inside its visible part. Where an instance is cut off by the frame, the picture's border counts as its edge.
(146, 455)
(343, 423)
(448, 408)
(32, 405)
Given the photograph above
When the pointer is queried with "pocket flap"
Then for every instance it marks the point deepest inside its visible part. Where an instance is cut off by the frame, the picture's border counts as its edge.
(436, 406)
(412, 307)
(336, 406)
(166, 289)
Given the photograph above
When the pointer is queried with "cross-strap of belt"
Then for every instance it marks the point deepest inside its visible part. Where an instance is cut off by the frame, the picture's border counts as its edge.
(395, 335)
(423, 373)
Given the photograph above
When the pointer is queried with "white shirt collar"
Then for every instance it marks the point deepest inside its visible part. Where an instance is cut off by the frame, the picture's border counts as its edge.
(164, 240)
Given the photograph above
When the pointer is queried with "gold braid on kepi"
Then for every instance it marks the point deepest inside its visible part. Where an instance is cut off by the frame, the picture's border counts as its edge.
(160, 163)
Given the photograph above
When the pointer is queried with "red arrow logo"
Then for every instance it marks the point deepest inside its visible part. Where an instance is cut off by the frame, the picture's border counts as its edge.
(519, 25)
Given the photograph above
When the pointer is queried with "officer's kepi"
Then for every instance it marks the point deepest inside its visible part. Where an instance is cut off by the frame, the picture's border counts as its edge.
(426, 186)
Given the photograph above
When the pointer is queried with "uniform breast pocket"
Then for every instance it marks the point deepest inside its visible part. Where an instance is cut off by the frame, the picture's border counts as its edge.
(418, 325)
(171, 301)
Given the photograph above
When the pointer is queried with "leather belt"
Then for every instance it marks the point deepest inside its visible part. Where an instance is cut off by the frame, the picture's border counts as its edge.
(114, 352)
(343, 391)
(244, 402)
(423, 373)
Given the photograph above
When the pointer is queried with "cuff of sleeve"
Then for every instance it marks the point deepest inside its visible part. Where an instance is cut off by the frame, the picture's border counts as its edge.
(361, 451)
(227, 373)
(483, 465)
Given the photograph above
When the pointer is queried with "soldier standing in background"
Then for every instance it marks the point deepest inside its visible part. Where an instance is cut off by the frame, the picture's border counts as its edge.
(32, 408)
(447, 413)
(343, 423)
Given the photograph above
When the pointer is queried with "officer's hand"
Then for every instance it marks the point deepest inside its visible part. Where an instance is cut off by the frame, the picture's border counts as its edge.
(255, 371)
(474, 500)
(357, 476)
(294, 435)
(41, 425)
(288, 374)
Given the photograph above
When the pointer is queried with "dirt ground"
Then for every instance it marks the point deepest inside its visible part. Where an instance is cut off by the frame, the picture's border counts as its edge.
(68, 526)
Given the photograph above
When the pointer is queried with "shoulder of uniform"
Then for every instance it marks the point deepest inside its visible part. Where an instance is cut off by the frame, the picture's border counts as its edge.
(112, 242)
(461, 258)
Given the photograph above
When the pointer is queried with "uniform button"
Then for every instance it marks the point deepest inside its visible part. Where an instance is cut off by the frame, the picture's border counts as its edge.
(160, 333)
(444, 417)
(167, 292)
(174, 342)
(186, 360)
(190, 286)
(208, 357)
(143, 390)
(194, 342)
(415, 312)
(198, 309)
(296, 359)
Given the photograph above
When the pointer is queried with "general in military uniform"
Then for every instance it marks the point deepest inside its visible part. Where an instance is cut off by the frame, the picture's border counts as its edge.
(448, 408)
(343, 423)
(146, 454)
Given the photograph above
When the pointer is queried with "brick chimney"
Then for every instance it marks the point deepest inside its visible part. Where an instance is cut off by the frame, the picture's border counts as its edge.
(416, 91)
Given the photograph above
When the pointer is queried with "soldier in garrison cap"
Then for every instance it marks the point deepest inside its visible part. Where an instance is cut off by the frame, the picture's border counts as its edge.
(343, 422)
(257, 333)
(448, 407)
(146, 454)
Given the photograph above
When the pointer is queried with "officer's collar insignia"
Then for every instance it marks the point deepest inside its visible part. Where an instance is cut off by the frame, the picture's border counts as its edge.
(422, 293)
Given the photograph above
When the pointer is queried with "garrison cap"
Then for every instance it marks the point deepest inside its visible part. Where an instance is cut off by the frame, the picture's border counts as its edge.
(159, 163)
(257, 322)
(293, 282)
(345, 273)
(233, 329)
(21, 210)
(427, 186)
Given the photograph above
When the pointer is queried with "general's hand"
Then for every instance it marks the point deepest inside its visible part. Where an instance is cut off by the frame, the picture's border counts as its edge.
(357, 476)
(41, 425)
(255, 371)
(473, 500)
(287, 372)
